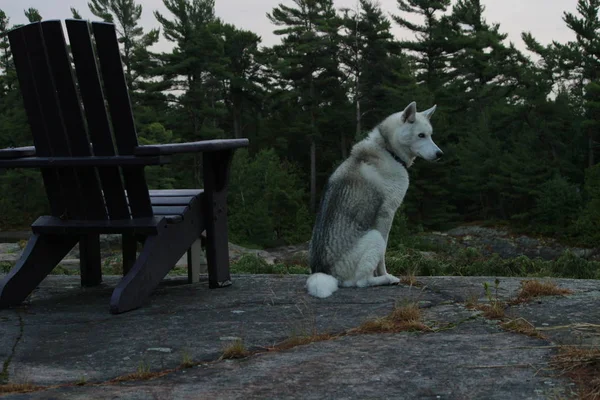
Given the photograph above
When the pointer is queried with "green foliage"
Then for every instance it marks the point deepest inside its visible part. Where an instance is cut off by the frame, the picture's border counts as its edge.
(557, 206)
(471, 262)
(5, 267)
(33, 15)
(520, 137)
(587, 227)
(252, 264)
(267, 200)
(23, 198)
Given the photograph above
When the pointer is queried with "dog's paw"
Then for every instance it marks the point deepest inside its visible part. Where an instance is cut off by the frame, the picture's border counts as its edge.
(392, 279)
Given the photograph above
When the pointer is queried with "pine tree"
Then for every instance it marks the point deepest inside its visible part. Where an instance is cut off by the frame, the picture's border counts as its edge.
(33, 15)
(242, 78)
(308, 61)
(370, 58)
(584, 56)
(75, 13)
(192, 74)
(430, 48)
(126, 15)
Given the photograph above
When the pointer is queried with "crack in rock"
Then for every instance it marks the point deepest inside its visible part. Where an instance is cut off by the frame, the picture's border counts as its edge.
(4, 375)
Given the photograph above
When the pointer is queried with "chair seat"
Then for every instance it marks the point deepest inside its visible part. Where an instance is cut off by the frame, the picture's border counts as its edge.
(173, 203)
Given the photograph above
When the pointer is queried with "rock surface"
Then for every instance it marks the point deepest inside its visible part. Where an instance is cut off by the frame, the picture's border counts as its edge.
(506, 244)
(65, 335)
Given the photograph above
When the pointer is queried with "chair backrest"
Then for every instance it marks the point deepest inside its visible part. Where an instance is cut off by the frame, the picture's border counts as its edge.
(68, 111)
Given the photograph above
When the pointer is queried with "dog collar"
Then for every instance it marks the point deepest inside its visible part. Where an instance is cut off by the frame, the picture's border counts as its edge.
(401, 161)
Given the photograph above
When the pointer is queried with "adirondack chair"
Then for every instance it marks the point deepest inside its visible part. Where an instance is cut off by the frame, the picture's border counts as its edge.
(73, 122)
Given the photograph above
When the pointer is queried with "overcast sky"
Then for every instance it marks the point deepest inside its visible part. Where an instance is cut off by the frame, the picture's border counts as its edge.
(543, 18)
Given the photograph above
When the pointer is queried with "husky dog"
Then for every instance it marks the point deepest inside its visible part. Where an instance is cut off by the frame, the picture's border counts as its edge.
(360, 200)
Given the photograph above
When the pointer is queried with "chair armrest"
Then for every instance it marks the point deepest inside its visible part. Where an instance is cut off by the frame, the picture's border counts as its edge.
(17, 152)
(190, 147)
(92, 161)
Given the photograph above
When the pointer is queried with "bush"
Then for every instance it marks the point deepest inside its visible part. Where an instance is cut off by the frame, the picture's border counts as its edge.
(557, 206)
(23, 197)
(266, 201)
(587, 227)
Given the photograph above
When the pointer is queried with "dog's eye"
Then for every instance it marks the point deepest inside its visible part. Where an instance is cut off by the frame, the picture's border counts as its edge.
(421, 135)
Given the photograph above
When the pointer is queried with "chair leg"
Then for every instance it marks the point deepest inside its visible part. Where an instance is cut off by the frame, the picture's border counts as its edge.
(129, 245)
(159, 255)
(42, 253)
(216, 179)
(89, 257)
(194, 256)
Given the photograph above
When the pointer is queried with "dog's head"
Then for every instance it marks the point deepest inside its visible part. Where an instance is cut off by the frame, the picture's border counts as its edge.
(409, 133)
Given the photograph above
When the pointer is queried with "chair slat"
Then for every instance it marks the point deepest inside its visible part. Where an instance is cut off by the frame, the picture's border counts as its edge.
(175, 192)
(73, 119)
(17, 152)
(34, 115)
(171, 201)
(117, 96)
(169, 210)
(95, 112)
(51, 114)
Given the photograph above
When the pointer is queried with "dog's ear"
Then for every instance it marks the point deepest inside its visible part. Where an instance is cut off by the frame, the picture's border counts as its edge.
(410, 113)
(429, 113)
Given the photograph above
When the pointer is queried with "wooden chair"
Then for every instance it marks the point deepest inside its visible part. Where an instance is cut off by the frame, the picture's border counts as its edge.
(93, 189)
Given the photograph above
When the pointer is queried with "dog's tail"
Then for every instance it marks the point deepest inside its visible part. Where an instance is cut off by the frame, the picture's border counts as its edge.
(321, 285)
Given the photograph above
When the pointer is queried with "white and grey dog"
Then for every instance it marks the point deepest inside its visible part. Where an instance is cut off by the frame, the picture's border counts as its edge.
(360, 200)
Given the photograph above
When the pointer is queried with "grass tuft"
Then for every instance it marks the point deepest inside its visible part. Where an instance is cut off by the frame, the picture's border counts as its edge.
(235, 349)
(522, 326)
(531, 289)
(143, 373)
(406, 318)
(582, 365)
(299, 340)
(18, 388)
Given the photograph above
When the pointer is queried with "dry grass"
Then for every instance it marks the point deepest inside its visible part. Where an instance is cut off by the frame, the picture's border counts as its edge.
(472, 301)
(299, 340)
(235, 350)
(140, 376)
(494, 310)
(143, 373)
(582, 365)
(187, 361)
(18, 388)
(401, 319)
(522, 326)
(532, 288)
(410, 279)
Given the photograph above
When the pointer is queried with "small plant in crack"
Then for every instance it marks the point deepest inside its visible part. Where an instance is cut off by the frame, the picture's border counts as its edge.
(410, 279)
(495, 307)
(235, 349)
(143, 373)
(187, 361)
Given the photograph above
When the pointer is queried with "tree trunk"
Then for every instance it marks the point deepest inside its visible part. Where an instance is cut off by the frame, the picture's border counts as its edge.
(591, 150)
(313, 150)
(313, 175)
(358, 119)
(237, 121)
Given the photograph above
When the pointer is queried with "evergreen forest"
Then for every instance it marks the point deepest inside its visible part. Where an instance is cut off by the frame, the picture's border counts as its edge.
(519, 129)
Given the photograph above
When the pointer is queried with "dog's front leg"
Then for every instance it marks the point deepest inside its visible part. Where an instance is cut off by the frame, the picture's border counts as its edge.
(381, 271)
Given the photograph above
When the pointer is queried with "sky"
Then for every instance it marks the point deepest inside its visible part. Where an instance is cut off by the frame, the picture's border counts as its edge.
(543, 18)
